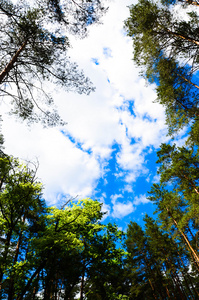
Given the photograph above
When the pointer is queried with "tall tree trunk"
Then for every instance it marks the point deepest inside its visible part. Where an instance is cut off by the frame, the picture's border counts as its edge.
(190, 248)
(153, 289)
(190, 82)
(11, 63)
(5, 254)
(168, 294)
(12, 278)
(148, 267)
(186, 275)
(27, 286)
(35, 288)
(175, 278)
(56, 286)
(173, 273)
(159, 290)
(82, 281)
(60, 289)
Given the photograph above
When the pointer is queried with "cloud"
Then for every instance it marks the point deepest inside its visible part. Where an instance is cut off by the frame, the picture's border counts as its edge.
(121, 209)
(131, 158)
(120, 111)
(128, 188)
(115, 197)
(106, 208)
(107, 52)
(141, 199)
(63, 168)
(93, 121)
(156, 178)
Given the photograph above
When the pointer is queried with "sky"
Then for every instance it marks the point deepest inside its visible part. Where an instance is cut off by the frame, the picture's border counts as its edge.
(107, 150)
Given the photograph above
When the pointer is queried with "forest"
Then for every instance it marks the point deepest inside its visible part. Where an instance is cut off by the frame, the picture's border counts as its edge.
(69, 252)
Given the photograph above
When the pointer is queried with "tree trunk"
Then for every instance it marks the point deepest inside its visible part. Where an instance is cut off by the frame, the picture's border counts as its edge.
(174, 277)
(192, 184)
(10, 65)
(82, 282)
(5, 253)
(35, 288)
(148, 267)
(186, 38)
(27, 286)
(196, 258)
(11, 283)
(190, 82)
(192, 2)
(186, 275)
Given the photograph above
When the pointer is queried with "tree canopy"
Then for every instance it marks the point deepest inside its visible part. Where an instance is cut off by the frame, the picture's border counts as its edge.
(50, 252)
(163, 257)
(69, 252)
(34, 42)
(165, 39)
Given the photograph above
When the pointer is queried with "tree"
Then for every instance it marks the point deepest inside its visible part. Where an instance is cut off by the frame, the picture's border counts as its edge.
(173, 260)
(146, 277)
(34, 41)
(166, 46)
(163, 258)
(176, 196)
(157, 265)
(177, 92)
(179, 166)
(104, 262)
(156, 28)
(54, 252)
(21, 217)
(60, 241)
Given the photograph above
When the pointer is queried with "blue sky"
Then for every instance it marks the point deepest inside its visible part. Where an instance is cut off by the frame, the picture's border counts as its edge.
(107, 151)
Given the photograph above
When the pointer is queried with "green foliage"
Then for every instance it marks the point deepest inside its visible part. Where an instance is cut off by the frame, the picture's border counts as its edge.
(158, 266)
(166, 47)
(175, 91)
(33, 50)
(163, 258)
(105, 275)
(49, 251)
(176, 199)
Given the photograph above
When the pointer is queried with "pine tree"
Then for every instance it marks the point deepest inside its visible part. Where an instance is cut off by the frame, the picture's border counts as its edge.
(34, 42)
(166, 47)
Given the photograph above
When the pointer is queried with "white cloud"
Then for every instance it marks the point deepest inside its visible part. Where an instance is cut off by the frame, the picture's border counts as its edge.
(131, 159)
(141, 199)
(106, 208)
(124, 208)
(63, 167)
(128, 188)
(96, 121)
(156, 178)
(115, 197)
(93, 121)
(121, 209)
